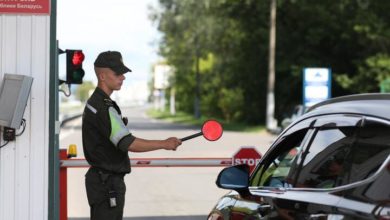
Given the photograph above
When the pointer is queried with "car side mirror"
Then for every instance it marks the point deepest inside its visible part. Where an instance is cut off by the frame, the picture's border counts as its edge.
(234, 178)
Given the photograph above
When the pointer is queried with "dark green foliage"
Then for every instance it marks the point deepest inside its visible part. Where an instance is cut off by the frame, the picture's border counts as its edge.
(229, 40)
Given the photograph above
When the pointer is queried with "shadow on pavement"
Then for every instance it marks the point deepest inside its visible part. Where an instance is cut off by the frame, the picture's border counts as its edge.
(196, 217)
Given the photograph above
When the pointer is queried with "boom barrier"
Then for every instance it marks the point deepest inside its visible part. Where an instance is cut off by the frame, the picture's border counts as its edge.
(66, 163)
(245, 155)
(159, 162)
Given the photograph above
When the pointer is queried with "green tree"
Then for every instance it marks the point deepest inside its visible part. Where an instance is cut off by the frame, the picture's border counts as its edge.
(231, 102)
(230, 38)
(82, 92)
(370, 75)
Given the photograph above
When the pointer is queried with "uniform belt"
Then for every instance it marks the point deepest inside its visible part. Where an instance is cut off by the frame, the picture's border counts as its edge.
(104, 171)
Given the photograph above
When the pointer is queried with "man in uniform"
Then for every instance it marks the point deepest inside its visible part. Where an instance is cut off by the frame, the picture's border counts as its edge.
(107, 140)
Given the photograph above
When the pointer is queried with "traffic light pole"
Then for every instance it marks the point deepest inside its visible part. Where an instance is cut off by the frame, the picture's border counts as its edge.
(54, 164)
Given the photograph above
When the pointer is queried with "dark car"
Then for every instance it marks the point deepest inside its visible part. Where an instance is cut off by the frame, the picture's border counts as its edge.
(297, 112)
(331, 163)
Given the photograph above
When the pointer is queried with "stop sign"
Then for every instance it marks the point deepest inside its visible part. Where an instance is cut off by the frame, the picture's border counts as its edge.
(247, 155)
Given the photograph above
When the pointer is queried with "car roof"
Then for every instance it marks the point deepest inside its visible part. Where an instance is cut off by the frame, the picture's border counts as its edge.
(370, 104)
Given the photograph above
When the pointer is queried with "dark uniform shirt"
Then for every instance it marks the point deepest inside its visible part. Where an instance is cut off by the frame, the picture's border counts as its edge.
(105, 136)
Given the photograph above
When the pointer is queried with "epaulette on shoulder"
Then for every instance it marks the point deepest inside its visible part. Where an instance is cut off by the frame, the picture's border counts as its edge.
(108, 102)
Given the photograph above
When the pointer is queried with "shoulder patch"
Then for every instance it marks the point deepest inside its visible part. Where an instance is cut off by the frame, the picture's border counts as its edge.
(91, 108)
(108, 102)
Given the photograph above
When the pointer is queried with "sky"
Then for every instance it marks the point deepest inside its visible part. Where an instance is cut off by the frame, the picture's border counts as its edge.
(99, 25)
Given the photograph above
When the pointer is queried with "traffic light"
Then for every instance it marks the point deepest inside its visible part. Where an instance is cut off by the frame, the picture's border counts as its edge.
(74, 66)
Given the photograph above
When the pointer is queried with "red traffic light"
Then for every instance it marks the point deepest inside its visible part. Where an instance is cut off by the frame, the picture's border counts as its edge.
(78, 58)
(74, 66)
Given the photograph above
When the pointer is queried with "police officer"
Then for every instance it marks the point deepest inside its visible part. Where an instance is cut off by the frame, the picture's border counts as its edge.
(107, 140)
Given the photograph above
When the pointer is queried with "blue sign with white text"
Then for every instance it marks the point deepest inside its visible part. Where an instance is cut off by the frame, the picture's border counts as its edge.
(316, 85)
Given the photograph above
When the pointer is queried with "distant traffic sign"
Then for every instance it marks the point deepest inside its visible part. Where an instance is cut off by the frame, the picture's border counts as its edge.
(316, 85)
(247, 155)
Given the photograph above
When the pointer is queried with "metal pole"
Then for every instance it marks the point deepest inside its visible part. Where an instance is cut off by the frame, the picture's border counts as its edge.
(54, 125)
(63, 187)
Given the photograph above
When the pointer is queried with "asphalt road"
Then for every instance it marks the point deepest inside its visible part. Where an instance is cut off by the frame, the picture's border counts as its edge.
(172, 193)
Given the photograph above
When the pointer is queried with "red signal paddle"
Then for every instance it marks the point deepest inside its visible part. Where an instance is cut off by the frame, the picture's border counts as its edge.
(211, 130)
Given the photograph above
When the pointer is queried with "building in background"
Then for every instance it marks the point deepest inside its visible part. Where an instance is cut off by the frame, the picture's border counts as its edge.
(161, 78)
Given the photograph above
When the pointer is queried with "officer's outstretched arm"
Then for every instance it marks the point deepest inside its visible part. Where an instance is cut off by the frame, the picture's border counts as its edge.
(142, 145)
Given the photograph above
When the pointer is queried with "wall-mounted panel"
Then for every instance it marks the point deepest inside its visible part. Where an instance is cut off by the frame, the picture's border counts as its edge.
(24, 49)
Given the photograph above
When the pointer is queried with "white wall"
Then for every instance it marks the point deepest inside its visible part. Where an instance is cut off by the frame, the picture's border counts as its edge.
(24, 49)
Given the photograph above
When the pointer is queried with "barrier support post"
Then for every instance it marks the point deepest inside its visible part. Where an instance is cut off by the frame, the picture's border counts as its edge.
(63, 187)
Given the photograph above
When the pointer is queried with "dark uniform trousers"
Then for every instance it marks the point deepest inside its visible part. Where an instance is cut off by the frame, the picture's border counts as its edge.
(101, 188)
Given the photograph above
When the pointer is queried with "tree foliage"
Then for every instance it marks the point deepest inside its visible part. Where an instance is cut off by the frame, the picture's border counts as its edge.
(83, 91)
(228, 40)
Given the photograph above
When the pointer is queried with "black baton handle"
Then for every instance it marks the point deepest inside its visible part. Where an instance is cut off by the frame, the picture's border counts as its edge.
(192, 136)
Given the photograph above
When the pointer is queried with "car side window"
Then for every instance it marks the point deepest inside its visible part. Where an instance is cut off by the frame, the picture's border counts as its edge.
(370, 150)
(324, 160)
(344, 155)
(277, 169)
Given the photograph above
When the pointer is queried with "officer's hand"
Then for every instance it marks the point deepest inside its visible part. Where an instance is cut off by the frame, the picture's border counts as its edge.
(172, 143)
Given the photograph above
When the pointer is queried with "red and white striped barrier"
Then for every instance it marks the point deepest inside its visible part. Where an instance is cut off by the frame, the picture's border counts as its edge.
(66, 163)
(159, 162)
(245, 155)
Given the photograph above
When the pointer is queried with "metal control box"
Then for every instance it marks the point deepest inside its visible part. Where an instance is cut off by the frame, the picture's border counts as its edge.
(14, 94)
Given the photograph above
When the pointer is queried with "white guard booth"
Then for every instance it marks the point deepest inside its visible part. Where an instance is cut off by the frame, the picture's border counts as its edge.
(29, 164)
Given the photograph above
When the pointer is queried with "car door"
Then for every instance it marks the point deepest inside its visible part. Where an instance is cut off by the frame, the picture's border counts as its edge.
(271, 178)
